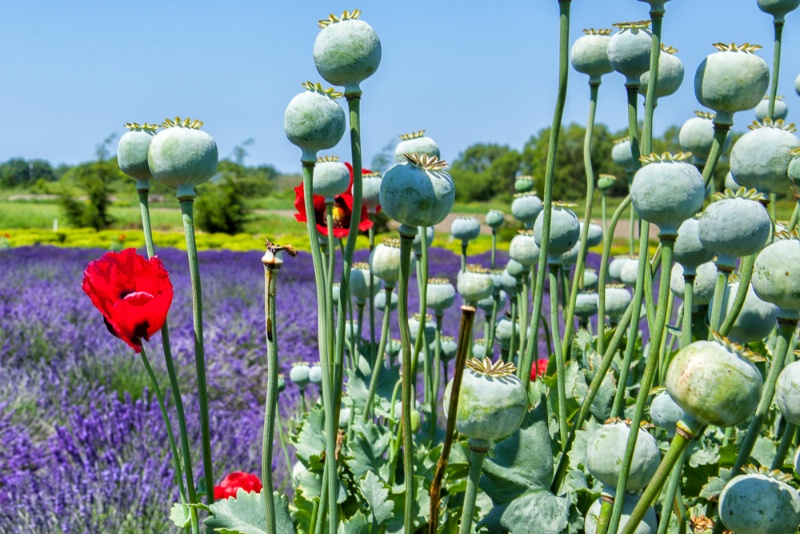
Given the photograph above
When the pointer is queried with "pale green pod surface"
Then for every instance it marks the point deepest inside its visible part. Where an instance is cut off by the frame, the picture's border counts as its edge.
(688, 250)
(449, 349)
(756, 503)
(594, 236)
(370, 191)
(787, 392)
(516, 269)
(730, 182)
(441, 294)
(415, 143)
(605, 450)
(344, 418)
(183, 156)
(665, 412)
(617, 300)
(589, 54)
(430, 328)
(492, 403)
(586, 304)
(359, 282)
(629, 51)
(733, 79)
(760, 158)
(331, 178)
(570, 257)
(523, 248)
(347, 51)
(502, 332)
(616, 264)
(417, 244)
(713, 384)
(606, 182)
(622, 156)
(526, 207)
(793, 171)
(670, 74)
(465, 228)
(697, 134)
(494, 219)
(524, 184)
(779, 113)
(508, 282)
(315, 374)
(702, 287)
(479, 349)
(384, 261)
(666, 192)
(629, 272)
(380, 301)
(418, 193)
(649, 524)
(300, 374)
(778, 8)
(474, 284)
(590, 278)
(756, 318)
(486, 305)
(776, 274)
(132, 153)
(350, 329)
(565, 230)
(314, 121)
(335, 291)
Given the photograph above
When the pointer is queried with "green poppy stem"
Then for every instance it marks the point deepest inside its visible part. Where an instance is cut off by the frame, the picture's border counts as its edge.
(787, 440)
(494, 248)
(476, 455)
(603, 274)
(714, 153)
(606, 507)
(377, 362)
(688, 297)
(187, 212)
(673, 484)
(561, 379)
(719, 295)
(437, 370)
(555, 130)
(776, 67)
(745, 274)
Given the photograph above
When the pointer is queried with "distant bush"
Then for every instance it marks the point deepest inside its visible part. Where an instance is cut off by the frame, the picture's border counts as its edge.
(220, 207)
(91, 180)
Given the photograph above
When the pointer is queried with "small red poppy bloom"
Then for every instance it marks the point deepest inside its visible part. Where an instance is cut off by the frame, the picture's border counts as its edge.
(542, 364)
(234, 482)
(342, 211)
(133, 294)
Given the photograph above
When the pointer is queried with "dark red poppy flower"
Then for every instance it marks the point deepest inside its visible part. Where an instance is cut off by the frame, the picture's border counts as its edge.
(542, 364)
(133, 294)
(234, 482)
(342, 211)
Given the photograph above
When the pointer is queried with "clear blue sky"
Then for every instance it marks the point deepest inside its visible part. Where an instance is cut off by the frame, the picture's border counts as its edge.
(71, 73)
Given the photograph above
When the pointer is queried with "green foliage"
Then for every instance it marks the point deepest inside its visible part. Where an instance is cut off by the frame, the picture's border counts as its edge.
(220, 207)
(485, 171)
(246, 514)
(19, 172)
(92, 181)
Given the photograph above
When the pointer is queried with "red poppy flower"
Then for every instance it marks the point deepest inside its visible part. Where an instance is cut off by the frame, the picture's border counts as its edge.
(342, 211)
(542, 363)
(133, 294)
(234, 482)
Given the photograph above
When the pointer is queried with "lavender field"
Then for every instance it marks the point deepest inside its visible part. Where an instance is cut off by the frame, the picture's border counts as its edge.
(82, 444)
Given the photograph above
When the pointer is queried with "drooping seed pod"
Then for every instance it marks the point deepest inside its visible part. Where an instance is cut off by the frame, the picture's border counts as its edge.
(347, 51)
(415, 143)
(182, 156)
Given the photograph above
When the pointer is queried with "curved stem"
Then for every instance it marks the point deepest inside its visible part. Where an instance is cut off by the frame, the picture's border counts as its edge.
(720, 133)
(406, 242)
(476, 456)
(776, 67)
(745, 274)
(271, 403)
(437, 369)
(560, 364)
(371, 309)
(187, 212)
(552, 147)
(603, 274)
(657, 19)
(377, 363)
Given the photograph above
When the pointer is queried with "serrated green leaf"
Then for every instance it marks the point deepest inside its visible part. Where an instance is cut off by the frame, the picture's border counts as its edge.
(376, 494)
(355, 525)
(179, 515)
(422, 504)
(703, 453)
(763, 451)
(601, 405)
(309, 441)
(713, 488)
(535, 512)
(246, 514)
(358, 381)
(367, 449)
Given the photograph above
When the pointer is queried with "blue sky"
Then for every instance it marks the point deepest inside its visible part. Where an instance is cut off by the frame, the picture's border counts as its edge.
(468, 72)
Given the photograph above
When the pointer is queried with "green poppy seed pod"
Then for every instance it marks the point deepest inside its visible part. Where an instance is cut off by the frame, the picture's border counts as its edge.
(486, 305)
(380, 301)
(416, 246)
(607, 181)
(474, 283)
(524, 184)
(182, 156)
(776, 274)
(440, 294)
(616, 264)
(570, 257)
(479, 349)
(300, 374)
(331, 177)
(756, 318)
(502, 332)
(594, 236)
(735, 225)
(629, 50)
(590, 278)
(516, 269)
(697, 134)
(605, 450)
(494, 219)
(419, 192)
(344, 418)
(132, 153)
(351, 330)
(758, 503)
(586, 304)
(347, 51)
(629, 272)
(665, 412)
(335, 290)
(787, 392)
(492, 402)
(621, 154)
(384, 261)
(778, 8)
(589, 54)
(617, 300)
(779, 113)
(733, 79)
(449, 349)
(730, 182)
(714, 383)
(359, 282)
(315, 374)
(689, 252)
(526, 207)
(507, 282)
(523, 249)
(281, 383)
(793, 171)
(649, 524)
(760, 158)
(667, 191)
(314, 121)
(465, 229)
(705, 277)
(430, 327)
(670, 74)
(370, 191)
(415, 143)
(565, 229)
(393, 347)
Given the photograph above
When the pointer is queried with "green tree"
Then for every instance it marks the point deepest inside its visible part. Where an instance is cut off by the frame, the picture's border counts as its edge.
(19, 172)
(220, 206)
(85, 196)
(484, 171)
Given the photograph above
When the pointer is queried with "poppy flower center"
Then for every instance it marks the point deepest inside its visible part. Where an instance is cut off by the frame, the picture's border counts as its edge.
(338, 215)
(136, 297)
